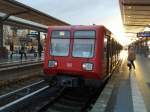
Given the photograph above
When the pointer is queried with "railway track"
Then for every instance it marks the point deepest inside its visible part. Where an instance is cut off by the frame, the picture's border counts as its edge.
(64, 100)
(17, 99)
(72, 100)
(41, 97)
(11, 86)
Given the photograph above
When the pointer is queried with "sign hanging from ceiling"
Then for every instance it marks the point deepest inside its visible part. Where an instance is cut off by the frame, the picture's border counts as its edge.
(33, 34)
(143, 34)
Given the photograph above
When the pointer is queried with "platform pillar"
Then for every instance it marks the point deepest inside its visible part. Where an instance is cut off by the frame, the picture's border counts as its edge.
(3, 50)
(14, 40)
(39, 45)
(1, 34)
(38, 38)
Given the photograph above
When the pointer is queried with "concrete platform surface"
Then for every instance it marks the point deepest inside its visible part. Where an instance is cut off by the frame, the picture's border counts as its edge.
(127, 90)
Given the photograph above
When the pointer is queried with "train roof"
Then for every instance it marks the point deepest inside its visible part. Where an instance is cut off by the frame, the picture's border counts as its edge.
(78, 27)
(81, 27)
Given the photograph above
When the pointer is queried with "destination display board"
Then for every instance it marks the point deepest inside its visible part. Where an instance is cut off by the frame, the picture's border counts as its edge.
(143, 34)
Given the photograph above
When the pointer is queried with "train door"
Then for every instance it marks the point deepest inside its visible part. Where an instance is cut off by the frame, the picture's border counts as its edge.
(106, 53)
(113, 54)
(110, 54)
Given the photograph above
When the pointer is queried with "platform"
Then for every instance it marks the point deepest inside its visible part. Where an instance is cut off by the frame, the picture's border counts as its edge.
(16, 59)
(127, 91)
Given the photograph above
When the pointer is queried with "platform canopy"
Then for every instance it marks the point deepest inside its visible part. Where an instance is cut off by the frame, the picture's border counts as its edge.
(135, 15)
(16, 9)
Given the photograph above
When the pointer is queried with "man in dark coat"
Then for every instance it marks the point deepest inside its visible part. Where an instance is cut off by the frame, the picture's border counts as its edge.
(22, 52)
(11, 49)
(40, 49)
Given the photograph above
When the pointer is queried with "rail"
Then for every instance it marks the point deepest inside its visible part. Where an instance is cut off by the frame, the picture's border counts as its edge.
(16, 99)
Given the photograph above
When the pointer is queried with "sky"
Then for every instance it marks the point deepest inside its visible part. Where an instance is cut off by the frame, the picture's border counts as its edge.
(84, 12)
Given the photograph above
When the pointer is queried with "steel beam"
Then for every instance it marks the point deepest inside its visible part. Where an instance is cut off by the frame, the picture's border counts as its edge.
(135, 4)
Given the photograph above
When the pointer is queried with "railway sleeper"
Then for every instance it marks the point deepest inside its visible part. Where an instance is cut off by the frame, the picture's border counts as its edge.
(71, 102)
(65, 108)
(77, 99)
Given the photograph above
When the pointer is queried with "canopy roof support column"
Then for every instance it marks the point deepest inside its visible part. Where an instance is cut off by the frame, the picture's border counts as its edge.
(3, 50)
(1, 34)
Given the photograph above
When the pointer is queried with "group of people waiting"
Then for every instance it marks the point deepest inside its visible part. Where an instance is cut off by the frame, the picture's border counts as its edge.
(22, 51)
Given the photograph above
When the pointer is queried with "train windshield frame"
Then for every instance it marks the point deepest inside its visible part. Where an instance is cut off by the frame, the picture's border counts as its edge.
(84, 43)
(60, 43)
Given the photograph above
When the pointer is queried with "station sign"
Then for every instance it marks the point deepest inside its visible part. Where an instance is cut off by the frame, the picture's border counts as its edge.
(32, 34)
(143, 34)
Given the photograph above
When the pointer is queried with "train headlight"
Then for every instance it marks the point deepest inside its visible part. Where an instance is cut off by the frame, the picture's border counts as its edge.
(52, 63)
(87, 66)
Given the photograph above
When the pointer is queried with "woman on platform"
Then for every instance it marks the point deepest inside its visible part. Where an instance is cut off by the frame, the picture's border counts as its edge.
(131, 57)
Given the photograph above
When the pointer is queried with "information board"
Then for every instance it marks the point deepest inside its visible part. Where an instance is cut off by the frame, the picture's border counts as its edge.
(143, 34)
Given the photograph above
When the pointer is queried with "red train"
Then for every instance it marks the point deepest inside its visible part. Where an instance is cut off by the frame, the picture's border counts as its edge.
(77, 55)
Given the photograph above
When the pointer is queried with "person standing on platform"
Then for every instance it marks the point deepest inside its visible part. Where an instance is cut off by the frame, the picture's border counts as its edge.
(11, 49)
(40, 49)
(22, 52)
(33, 51)
(131, 57)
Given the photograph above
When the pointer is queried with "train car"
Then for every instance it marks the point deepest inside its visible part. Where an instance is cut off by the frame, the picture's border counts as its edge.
(80, 55)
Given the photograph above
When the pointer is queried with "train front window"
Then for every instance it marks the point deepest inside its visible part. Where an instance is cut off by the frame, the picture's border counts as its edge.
(60, 41)
(84, 44)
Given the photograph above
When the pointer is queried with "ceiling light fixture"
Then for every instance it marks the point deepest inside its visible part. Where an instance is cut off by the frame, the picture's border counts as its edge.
(129, 7)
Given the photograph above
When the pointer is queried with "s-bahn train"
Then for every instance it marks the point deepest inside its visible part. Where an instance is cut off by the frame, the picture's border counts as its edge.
(80, 55)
